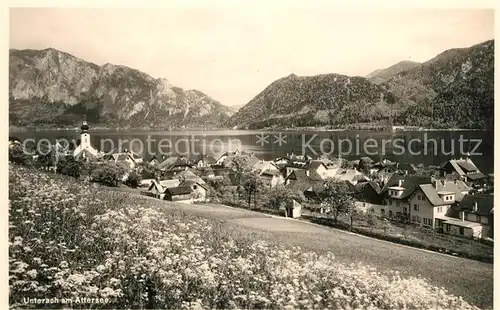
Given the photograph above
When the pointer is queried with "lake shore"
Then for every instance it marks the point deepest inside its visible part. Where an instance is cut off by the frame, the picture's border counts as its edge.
(294, 129)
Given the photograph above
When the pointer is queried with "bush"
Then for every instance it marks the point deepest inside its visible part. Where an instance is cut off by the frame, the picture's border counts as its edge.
(133, 180)
(67, 240)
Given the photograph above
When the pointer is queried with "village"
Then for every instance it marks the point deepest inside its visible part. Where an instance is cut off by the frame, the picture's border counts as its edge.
(454, 199)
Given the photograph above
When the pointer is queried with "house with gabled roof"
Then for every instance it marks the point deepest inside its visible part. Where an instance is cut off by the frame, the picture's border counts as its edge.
(464, 168)
(272, 178)
(351, 175)
(187, 192)
(476, 209)
(396, 192)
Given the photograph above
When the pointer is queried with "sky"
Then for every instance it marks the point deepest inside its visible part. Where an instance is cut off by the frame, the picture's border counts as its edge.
(232, 54)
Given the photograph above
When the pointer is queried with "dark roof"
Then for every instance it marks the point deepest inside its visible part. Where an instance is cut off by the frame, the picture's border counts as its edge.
(410, 183)
(167, 163)
(173, 191)
(314, 164)
(299, 186)
(189, 183)
(121, 157)
(270, 172)
(476, 176)
(467, 166)
(484, 204)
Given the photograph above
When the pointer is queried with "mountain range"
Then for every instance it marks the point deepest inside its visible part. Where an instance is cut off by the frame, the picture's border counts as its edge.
(455, 89)
(53, 88)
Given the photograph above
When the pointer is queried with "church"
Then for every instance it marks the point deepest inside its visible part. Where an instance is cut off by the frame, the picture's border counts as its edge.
(85, 151)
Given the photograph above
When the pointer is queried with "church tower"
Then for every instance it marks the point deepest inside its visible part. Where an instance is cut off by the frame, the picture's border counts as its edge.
(85, 148)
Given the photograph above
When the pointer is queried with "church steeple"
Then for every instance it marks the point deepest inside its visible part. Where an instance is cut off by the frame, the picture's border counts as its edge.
(85, 126)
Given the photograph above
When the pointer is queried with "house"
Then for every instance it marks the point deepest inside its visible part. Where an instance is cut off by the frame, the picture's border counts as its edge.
(198, 190)
(428, 206)
(157, 188)
(396, 192)
(264, 165)
(302, 175)
(186, 192)
(154, 161)
(222, 159)
(462, 228)
(122, 157)
(351, 175)
(293, 209)
(405, 168)
(203, 161)
(478, 209)
(179, 194)
(465, 168)
(317, 168)
(272, 178)
(180, 164)
(367, 196)
(167, 163)
(383, 170)
(188, 175)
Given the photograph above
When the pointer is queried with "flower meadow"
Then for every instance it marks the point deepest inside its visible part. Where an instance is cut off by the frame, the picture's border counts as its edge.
(69, 240)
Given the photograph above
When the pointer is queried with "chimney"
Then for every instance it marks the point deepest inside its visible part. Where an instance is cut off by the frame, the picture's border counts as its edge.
(400, 183)
(475, 206)
(307, 172)
(462, 216)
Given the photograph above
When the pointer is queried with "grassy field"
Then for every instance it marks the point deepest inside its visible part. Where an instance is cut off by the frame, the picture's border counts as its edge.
(67, 239)
(463, 277)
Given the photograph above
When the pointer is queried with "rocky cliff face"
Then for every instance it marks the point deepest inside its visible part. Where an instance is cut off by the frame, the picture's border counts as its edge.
(453, 90)
(50, 87)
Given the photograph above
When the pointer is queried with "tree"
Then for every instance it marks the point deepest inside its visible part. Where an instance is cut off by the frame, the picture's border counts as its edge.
(69, 166)
(108, 174)
(365, 164)
(252, 186)
(18, 155)
(280, 194)
(240, 164)
(336, 198)
(146, 171)
(133, 179)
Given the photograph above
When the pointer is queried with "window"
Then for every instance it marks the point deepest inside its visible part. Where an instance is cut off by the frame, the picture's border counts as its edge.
(447, 227)
(382, 211)
(414, 218)
(419, 219)
(440, 209)
(415, 207)
(425, 221)
(461, 230)
(405, 210)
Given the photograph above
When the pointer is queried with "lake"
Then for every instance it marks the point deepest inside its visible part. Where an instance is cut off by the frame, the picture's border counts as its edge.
(426, 147)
